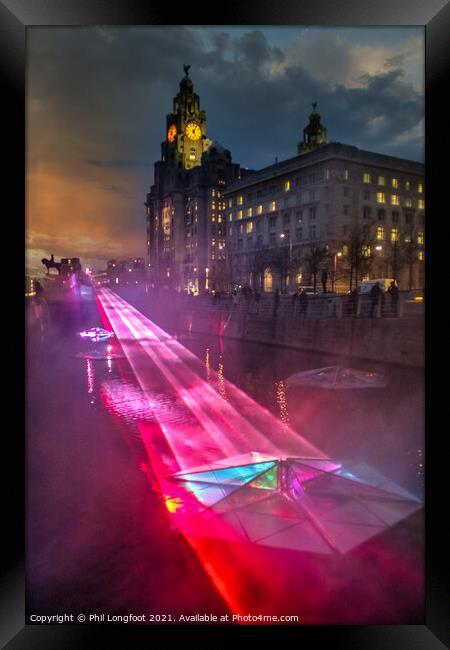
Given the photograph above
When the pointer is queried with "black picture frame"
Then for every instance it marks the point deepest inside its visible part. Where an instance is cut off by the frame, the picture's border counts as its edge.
(15, 17)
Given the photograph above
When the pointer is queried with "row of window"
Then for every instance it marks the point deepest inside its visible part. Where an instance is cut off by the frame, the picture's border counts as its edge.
(395, 183)
(395, 216)
(407, 202)
(395, 200)
(287, 185)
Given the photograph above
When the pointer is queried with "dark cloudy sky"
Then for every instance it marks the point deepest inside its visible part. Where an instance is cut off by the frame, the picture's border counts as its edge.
(98, 97)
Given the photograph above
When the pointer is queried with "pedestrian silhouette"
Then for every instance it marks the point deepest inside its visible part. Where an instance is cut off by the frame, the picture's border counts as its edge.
(375, 294)
(394, 292)
(303, 300)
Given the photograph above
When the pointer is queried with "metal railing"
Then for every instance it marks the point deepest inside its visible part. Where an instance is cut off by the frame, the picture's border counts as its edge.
(314, 307)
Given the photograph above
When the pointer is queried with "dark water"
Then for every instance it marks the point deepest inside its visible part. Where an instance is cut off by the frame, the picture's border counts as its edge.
(382, 426)
(99, 537)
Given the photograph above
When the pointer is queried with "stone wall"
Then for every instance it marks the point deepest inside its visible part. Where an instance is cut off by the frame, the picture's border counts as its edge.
(325, 329)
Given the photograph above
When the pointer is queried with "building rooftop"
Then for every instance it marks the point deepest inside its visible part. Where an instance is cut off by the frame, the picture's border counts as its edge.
(325, 152)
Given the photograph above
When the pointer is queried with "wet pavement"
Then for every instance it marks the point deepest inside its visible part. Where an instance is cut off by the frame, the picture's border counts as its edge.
(99, 535)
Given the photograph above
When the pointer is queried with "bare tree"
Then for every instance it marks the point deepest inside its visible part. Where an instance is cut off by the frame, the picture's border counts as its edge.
(258, 261)
(315, 259)
(359, 257)
(284, 260)
(404, 253)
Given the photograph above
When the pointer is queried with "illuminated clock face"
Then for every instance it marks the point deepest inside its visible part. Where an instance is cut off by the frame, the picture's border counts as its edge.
(171, 133)
(193, 131)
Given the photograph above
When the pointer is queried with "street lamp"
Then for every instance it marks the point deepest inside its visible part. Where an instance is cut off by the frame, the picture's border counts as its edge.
(282, 236)
(335, 256)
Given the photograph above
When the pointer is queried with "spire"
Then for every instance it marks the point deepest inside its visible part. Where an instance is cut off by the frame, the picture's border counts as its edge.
(314, 134)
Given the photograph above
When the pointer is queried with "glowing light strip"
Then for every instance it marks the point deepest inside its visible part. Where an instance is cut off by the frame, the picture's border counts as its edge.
(268, 419)
(200, 403)
(177, 441)
(239, 423)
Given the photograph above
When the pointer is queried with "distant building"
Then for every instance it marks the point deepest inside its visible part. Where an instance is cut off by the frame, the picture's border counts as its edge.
(70, 265)
(331, 196)
(186, 227)
(126, 271)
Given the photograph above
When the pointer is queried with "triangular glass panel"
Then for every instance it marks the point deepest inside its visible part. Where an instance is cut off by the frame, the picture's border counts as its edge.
(352, 512)
(266, 481)
(241, 497)
(391, 512)
(212, 493)
(347, 536)
(325, 464)
(277, 505)
(303, 474)
(228, 475)
(301, 537)
(257, 525)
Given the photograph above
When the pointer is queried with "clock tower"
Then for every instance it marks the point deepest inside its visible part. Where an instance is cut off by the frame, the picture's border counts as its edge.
(186, 139)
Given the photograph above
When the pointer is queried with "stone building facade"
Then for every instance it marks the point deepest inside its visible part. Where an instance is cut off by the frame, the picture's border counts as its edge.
(362, 214)
(186, 226)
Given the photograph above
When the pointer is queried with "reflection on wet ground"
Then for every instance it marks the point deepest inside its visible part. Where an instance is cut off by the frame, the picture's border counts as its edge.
(99, 535)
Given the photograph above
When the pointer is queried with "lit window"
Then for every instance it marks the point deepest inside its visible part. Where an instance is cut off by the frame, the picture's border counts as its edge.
(230, 203)
(395, 183)
(249, 226)
(380, 233)
(420, 188)
(273, 206)
(326, 174)
(421, 256)
(407, 185)
(381, 197)
(287, 186)
(420, 238)
(421, 204)
(239, 214)
(395, 200)
(407, 239)
(239, 200)
(230, 216)
(365, 250)
(381, 180)
(345, 176)
(408, 203)
(366, 177)
(250, 212)
(394, 234)
(259, 209)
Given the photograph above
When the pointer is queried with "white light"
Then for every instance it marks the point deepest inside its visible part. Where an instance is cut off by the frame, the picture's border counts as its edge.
(378, 248)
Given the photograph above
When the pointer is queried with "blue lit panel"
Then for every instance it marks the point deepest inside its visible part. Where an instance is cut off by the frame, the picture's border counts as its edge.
(229, 475)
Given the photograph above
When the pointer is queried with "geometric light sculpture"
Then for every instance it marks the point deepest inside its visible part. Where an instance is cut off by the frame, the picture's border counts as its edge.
(96, 334)
(307, 504)
(337, 378)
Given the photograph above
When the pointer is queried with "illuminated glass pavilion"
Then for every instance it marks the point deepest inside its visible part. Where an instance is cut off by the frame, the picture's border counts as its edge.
(308, 504)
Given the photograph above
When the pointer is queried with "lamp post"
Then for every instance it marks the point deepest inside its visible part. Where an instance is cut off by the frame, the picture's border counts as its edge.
(335, 256)
(283, 236)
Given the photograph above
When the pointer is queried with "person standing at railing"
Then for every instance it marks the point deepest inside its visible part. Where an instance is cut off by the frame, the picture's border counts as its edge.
(303, 301)
(393, 290)
(375, 295)
(295, 299)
